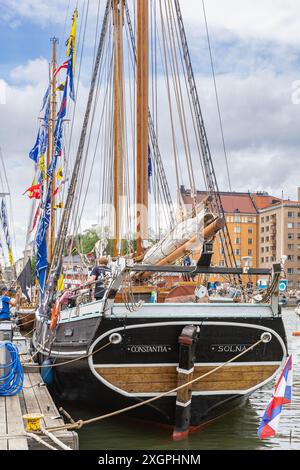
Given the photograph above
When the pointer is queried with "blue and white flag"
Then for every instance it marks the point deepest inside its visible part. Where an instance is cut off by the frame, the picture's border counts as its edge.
(34, 152)
(41, 243)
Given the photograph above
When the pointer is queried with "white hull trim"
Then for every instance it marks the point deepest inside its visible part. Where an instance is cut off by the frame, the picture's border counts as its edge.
(227, 392)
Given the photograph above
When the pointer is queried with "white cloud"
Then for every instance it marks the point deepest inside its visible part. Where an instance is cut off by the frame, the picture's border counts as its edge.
(31, 72)
(274, 20)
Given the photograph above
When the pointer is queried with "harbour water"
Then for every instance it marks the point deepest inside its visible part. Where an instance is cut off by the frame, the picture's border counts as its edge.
(235, 431)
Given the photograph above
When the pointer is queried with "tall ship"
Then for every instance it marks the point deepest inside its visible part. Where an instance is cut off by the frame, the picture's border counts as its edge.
(156, 343)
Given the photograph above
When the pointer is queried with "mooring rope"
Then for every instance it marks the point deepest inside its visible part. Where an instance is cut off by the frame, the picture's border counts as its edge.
(80, 423)
(29, 364)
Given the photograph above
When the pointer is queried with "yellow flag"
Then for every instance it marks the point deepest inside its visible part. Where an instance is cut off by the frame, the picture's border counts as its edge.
(42, 166)
(59, 174)
(11, 258)
(60, 283)
(72, 38)
(60, 205)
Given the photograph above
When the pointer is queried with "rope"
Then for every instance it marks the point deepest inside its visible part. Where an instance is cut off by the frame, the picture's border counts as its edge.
(54, 439)
(81, 423)
(11, 382)
(29, 364)
(39, 440)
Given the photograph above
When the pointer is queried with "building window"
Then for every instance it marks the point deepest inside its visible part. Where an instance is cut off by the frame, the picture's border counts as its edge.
(250, 241)
(262, 220)
(262, 249)
(291, 215)
(298, 225)
(238, 264)
(267, 218)
(267, 249)
(237, 229)
(250, 230)
(291, 236)
(267, 259)
(262, 240)
(290, 258)
(262, 230)
(237, 252)
(222, 263)
(267, 229)
(262, 260)
(290, 271)
(298, 214)
(290, 225)
(267, 239)
(237, 241)
(250, 252)
(250, 220)
(291, 247)
(237, 218)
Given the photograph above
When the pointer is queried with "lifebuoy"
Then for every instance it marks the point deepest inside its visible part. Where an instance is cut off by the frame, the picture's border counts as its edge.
(54, 315)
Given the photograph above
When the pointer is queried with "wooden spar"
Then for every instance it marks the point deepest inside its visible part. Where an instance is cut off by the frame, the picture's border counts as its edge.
(118, 17)
(142, 123)
(209, 232)
(53, 122)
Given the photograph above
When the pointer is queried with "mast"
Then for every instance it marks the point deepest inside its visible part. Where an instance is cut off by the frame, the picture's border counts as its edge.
(51, 147)
(142, 123)
(118, 20)
(54, 41)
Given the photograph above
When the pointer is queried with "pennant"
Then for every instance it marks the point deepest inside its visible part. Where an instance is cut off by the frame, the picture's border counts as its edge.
(34, 152)
(281, 395)
(63, 66)
(35, 219)
(4, 221)
(71, 42)
(71, 76)
(61, 87)
(41, 243)
(42, 167)
(25, 280)
(59, 174)
(60, 283)
(60, 205)
(150, 170)
(45, 98)
(34, 191)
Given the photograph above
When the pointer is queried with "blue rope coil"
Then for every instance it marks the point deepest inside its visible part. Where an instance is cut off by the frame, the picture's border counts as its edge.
(11, 374)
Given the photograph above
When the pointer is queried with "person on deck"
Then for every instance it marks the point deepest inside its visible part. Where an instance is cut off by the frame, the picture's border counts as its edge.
(99, 273)
(5, 303)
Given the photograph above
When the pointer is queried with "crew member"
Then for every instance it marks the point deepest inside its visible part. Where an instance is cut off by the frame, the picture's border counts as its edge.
(99, 273)
(5, 303)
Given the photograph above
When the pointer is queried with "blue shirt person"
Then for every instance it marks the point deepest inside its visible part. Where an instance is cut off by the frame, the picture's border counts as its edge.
(5, 303)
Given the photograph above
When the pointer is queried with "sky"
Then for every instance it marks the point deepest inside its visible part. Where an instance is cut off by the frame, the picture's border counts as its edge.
(256, 52)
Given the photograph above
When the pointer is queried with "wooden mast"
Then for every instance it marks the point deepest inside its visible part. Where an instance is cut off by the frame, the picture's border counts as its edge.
(54, 41)
(142, 123)
(118, 18)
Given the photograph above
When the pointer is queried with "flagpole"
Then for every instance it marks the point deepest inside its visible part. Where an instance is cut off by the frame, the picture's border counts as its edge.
(54, 41)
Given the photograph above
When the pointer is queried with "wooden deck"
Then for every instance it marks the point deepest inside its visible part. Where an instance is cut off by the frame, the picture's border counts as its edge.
(32, 399)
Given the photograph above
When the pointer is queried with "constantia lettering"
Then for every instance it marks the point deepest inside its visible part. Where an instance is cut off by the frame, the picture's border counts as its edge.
(147, 348)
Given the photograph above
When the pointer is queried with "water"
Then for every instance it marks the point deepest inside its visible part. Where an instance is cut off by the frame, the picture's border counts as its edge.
(237, 430)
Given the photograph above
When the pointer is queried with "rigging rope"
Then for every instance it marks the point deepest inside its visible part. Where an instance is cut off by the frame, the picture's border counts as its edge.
(217, 95)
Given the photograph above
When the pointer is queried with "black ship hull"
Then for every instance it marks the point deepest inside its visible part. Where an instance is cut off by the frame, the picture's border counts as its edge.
(135, 357)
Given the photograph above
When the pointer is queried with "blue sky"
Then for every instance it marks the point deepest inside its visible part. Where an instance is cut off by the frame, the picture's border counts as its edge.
(256, 49)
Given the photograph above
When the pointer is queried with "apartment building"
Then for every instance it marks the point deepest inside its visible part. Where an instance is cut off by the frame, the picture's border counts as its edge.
(262, 229)
(242, 219)
(279, 235)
